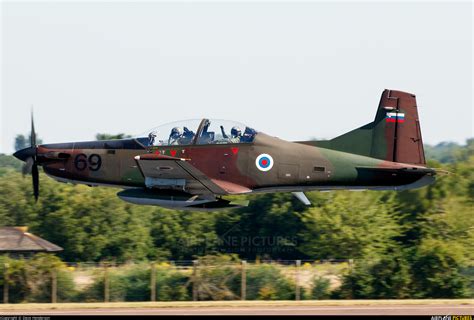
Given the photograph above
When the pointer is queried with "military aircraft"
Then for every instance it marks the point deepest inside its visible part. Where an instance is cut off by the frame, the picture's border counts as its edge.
(194, 164)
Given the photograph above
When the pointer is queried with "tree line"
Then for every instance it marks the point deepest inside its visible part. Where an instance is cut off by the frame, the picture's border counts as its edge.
(414, 243)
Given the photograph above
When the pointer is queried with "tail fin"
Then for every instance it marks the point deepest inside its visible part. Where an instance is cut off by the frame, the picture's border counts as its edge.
(394, 135)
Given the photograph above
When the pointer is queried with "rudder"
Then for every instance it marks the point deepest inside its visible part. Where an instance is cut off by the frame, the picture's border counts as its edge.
(394, 135)
(397, 133)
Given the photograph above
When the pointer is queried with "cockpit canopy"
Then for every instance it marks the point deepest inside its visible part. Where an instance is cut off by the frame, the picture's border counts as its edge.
(205, 131)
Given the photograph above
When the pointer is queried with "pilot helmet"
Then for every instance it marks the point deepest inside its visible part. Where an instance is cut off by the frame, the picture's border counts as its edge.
(235, 131)
(176, 132)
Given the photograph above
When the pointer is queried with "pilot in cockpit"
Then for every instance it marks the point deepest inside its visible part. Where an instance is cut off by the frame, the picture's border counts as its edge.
(151, 138)
(175, 136)
(187, 136)
(235, 135)
(180, 137)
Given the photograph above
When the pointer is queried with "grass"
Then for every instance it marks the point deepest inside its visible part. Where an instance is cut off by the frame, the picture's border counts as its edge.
(197, 304)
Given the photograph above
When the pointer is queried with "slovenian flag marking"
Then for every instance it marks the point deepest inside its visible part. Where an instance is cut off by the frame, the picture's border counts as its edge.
(395, 117)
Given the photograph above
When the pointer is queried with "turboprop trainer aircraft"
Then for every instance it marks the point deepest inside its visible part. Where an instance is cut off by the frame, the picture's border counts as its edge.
(194, 164)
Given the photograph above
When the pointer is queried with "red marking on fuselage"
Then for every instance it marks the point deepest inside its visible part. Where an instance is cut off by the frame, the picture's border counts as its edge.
(235, 150)
(264, 162)
(173, 153)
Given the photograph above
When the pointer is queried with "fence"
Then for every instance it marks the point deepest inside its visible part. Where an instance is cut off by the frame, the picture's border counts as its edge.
(25, 281)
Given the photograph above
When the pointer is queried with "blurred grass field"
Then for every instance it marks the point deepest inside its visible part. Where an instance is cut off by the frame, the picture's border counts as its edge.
(207, 304)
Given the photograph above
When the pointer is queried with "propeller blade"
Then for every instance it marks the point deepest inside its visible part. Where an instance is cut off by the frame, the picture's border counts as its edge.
(33, 133)
(35, 176)
(27, 166)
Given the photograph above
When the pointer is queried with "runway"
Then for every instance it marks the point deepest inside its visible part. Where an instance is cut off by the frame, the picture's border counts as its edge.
(389, 309)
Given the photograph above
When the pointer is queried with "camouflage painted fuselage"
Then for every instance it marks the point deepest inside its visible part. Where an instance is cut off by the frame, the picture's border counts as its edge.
(197, 175)
(296, 166)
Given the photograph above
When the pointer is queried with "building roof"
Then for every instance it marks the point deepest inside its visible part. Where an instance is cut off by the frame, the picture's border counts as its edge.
(17, 239)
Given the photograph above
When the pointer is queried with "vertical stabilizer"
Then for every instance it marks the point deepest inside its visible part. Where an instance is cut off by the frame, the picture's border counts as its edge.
(394, 135)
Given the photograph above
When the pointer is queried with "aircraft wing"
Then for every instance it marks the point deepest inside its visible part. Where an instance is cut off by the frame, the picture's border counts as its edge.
(166, 172)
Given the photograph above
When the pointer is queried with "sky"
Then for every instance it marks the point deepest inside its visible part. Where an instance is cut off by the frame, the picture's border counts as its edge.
(296, 70)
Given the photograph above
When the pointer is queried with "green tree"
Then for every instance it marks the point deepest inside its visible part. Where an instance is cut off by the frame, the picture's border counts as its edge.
(21, 141)
(319, 290)
(268, 228)
(349, 225)
(8, 163)
(437, 270)
(384, 277)
(90, 224)
(184, 235)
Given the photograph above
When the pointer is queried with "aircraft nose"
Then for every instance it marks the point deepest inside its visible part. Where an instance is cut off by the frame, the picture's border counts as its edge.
(24, 154)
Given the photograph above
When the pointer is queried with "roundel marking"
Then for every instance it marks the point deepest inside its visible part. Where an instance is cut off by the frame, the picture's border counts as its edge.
(264, 162)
